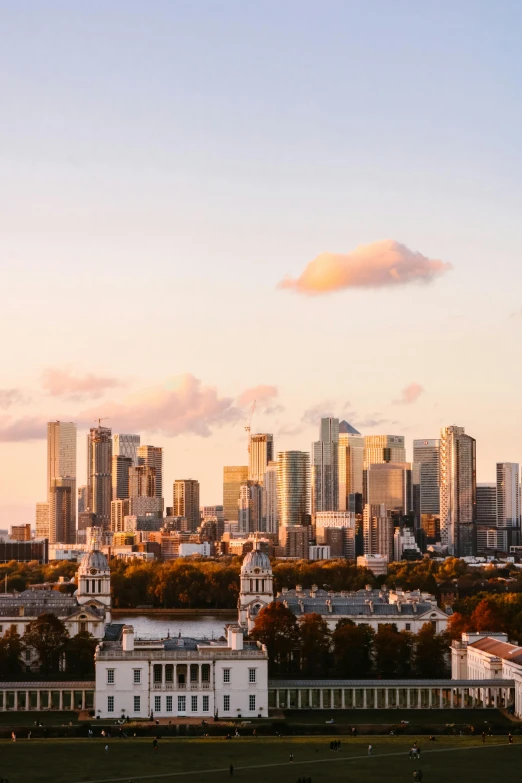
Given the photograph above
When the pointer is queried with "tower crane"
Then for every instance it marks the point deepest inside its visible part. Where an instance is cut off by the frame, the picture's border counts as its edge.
(100, 420)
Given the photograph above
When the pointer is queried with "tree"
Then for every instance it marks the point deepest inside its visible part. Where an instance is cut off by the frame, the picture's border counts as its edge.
(316, 642)
(430, 649)
(458, 624)
(276, 627)
(486, 617)
(79, 654)
(11, 649)
(48, 636)
(393, 651)
(353, 647)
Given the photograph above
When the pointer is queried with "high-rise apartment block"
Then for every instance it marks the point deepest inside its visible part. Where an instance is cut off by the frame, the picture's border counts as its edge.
(233, 477)
(42, 520)
(487, 504)
(508, 494)
(152, 457)
(384, 448)
(261, 452)
(293, 482)
(126, 446)
(250, 512)
(426, 453)
(270, 510)
(142, 481)
(350, 463)
(120, 476)
(61, 481)
(458, 496)
(99, 474)
(185, 501)
(378, 530)
(325, 467)
(83, 498)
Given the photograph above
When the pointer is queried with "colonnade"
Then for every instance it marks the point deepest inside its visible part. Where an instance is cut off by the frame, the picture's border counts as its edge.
(27, 696)
(180, 676)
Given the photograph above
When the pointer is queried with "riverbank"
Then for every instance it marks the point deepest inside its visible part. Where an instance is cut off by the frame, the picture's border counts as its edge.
(176, 612)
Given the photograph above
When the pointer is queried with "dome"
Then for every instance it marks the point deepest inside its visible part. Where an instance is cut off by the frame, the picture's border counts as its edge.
(256, 559)
(95, 560)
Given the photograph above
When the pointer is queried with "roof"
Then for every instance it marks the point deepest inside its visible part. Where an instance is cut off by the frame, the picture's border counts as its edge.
(289, 684)
(256, 559)
(345, 428)
(113, 632)
(504, 650)
(95, 560)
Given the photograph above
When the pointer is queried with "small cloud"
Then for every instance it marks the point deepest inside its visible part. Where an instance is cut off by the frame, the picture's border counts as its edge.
(516, 315)
(410, 394)
(262, 393)
(23, 429)
(62, 383)
(9, 397)
(324, 409)
(377, 265)
(370, 422)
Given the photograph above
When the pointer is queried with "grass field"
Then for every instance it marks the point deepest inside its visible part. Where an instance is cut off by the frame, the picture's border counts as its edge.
(390, 717)
(452, 760)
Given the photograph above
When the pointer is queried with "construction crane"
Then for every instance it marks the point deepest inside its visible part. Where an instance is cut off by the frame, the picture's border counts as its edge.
(248, 426)
(100, 420)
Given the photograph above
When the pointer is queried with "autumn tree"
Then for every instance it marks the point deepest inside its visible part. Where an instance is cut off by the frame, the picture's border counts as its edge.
(79, 654)
(48, 636)
(430, 651)
(458, 624)
(315, 643)
(353, 649)
(393, 651)
(11, 649)
(276, 627)
(486, 617)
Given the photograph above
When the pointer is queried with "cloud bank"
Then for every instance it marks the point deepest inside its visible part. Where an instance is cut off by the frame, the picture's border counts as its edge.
(377, 265)
(409, 394)
(62, 383)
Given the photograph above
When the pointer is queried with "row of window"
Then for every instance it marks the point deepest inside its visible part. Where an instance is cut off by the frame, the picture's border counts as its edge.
(182, 703)
(169, 676)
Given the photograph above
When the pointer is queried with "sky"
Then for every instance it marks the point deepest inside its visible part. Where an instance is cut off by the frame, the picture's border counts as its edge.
(314, 205)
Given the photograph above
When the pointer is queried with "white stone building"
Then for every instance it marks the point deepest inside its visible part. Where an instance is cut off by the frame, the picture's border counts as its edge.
(178, 677)
(256, 586)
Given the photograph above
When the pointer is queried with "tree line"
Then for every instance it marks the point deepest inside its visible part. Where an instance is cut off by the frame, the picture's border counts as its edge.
(485, 612)
(306, 646)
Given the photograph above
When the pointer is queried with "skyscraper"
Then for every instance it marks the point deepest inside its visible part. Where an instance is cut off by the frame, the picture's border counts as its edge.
(378, 530)
(126, 446)
(508, 494)
(390, 485)
(185, 501)
(233, 477)
(270, 512)
(325, 467)
(83, 498)
(250, 507)
(351, 461)
(487, 504)
(293, 482)
(99, 474)
(142, 481)
(152, 457)
(426, 454)
(458, 496)
(61, 481)
(261, 452)
(120, 476)
(384, 448)
(42, 520)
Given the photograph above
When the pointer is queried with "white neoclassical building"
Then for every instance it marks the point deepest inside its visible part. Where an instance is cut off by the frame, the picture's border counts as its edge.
(180, 677)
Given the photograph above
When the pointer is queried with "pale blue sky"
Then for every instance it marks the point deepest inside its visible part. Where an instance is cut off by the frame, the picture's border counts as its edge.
(165, 164)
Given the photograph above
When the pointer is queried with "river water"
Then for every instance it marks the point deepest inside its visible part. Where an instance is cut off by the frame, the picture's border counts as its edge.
(158, 626)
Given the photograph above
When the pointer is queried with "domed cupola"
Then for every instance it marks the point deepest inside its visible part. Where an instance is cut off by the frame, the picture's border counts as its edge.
(256, 588)
(94, 577)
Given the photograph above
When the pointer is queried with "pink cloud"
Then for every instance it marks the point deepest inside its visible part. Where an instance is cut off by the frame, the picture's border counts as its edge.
(9, 397)
(377, 265)
(261, 393)
(409, 394)
(25, 428)
(62, 383)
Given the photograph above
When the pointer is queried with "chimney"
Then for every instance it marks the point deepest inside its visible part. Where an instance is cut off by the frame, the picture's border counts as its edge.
(235, 637)
(127, 641)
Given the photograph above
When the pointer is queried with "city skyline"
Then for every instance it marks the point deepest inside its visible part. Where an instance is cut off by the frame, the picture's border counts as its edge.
(348, 203)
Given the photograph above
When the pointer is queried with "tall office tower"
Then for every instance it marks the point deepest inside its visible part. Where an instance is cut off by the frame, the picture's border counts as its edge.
(261, 452)
(293, 483)
(378, 530)
(99, 474)
(508, 495)
(61, 464)
(126, 446)
(487, 504)
(458, 495)
(142, 481)
(83, 499)
(119, 510)
(325, 467)
(185, 501)
(233, 477)
(270, 512)
(120, 476)
(152, 457)
(351, 461)
(62, 511)
(390, 484)
(42, 520)
(250, 508)
(384, 448)
(426, 454)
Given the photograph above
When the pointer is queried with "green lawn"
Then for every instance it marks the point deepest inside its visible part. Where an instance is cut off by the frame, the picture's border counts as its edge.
(450, 760)
(390, 717)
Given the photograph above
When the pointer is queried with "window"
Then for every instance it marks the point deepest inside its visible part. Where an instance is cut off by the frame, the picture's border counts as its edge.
(408, 626)
(194, 703)
(137, 676)
(1, 628)
(169, 703)
(226, 675)
(251, 675)
(137, 703)
(182, 703)
(206, 703)
(251, 703)
(226, 703)
(169, 672)
(110, 676)
(157, 703)
(205, 673)
(110, 703)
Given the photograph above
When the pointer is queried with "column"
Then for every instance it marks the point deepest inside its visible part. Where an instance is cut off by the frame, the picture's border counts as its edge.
(386, 699)
(462, 699)
(49, 700)
(375, 698)
(60, 702)
(365, 698)
(299, 698)
(343, 700)
(419, 695)
(288, 699)
(331, 699)
(397, 698)
(277, 698)
(27, 700)
(452, 699)
(4, 696)
(495, 696)
(310, 705)
(440, 699)
(38, 699)
(321, 698)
